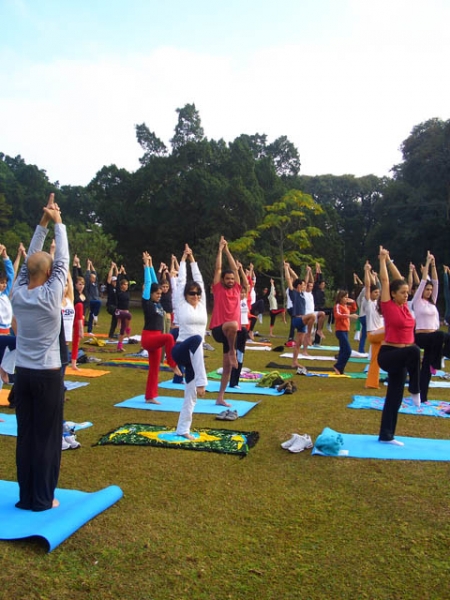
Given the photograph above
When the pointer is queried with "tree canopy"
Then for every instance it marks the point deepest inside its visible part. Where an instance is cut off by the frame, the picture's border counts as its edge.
(251, 191)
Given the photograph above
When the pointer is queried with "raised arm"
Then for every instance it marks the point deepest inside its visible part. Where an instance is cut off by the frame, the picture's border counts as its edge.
(232, 264)
(287, 275)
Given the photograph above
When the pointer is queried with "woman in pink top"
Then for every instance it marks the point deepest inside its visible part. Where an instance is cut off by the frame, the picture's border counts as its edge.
(398, 354)
(428, 337)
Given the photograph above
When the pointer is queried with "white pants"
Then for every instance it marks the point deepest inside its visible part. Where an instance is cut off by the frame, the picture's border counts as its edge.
(185, 418)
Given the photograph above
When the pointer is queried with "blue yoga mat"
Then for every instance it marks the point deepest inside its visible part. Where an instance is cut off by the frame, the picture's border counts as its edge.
(73, 385)
(170, 404)
(368, 446)
(57, 524)
(9, 427)
(213, 387)
(433, 408)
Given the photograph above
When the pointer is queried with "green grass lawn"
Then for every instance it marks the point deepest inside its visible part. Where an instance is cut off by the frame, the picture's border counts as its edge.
(274, 525)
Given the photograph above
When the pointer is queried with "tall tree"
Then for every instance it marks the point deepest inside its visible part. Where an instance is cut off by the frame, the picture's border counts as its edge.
(189, 128)
(151, 144)
(285, 233)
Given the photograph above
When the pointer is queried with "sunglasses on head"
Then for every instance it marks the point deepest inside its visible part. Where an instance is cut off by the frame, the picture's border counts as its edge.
(194, 293)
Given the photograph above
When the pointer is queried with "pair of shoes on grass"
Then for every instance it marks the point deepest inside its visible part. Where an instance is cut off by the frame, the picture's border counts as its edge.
(298, 443)
(228, 415)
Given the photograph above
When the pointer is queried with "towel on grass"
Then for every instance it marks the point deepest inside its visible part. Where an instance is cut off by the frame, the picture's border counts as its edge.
(432, 408)
(302, 357)
(213, 387)
(82, 372)
(55, 525)
(171, 404)
(368, 446)
(246, 376)
(4, 395)
(224, 441)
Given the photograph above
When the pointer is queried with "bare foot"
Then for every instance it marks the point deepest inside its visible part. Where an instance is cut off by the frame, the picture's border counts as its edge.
(152, 401)
(4, 375)
(188, 436)
(337, 371)
(74, 367)
(177, 371)
(223, 403)
(55, 503)
(321, 334)
(201, 391)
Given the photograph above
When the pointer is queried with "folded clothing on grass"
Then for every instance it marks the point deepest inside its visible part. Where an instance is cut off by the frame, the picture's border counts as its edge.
(54, 526)
(368, 446)
(224, 441)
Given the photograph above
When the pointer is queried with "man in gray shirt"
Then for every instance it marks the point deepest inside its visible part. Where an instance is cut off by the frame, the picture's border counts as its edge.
(36, 299)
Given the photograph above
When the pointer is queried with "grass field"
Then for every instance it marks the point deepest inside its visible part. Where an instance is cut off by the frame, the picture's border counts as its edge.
(274, 525)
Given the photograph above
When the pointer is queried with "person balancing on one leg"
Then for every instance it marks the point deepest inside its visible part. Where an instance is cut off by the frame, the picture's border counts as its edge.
(226, 316)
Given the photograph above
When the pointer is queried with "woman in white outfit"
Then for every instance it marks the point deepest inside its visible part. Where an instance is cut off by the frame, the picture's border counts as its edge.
(190, 308)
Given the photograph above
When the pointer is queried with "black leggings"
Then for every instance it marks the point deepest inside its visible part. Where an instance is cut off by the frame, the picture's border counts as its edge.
(397, 362)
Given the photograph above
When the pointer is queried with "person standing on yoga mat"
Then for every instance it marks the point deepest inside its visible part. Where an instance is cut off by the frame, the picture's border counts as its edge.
(428, 335)
(398, 354)
(190, 306)
(36, 299)
(226, 315)
(153, 338)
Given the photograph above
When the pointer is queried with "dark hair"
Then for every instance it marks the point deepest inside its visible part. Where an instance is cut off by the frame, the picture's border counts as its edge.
(154, 288)
(3, 276)
(429, 282)
(192, 286)
(297, 282)
(395, 285)
(373, 287)
(226, 272)
(339, 295)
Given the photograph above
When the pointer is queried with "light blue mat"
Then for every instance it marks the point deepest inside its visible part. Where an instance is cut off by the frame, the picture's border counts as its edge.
(213, 387)
(170, 404)
(57, 524)
(73, 385)
(433, 408)
(9, 427)
(368, 446)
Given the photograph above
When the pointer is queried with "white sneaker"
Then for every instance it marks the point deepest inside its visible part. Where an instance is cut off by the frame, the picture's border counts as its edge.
(95, 320)
(288, 443)
(72, 441)
(65, 445)
(260, 318)
(302, 371)
(301, 443)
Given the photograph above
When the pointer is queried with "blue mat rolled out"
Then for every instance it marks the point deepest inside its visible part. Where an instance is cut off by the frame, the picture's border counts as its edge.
(170, 404)
(433, 408)
(9, 427)
(57, 524)
(213, 387)
(368, 446)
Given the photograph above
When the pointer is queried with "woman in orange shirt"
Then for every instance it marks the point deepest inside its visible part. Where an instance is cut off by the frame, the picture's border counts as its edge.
(342, 310)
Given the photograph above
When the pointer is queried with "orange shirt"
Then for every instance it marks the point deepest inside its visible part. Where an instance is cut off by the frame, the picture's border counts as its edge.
(341, 315)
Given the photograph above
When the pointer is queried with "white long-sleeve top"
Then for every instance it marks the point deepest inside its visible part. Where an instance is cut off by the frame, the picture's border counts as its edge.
(191, 320)
(426, 313)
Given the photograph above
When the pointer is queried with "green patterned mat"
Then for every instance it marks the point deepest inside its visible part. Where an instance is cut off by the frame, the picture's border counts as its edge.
(225, 441)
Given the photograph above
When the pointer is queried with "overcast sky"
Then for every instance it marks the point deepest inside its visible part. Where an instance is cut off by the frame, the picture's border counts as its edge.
(344, 80)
